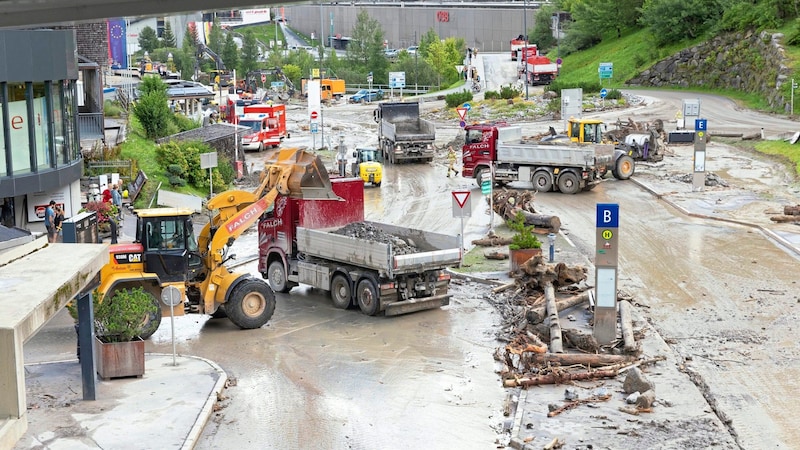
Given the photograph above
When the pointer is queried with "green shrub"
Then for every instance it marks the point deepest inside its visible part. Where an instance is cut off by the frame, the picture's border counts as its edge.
(457, 98)
(614, 94)
(111, 109)
(120, 318)
(491, 95)
(524, 237)
(184, 123)
(509, 92)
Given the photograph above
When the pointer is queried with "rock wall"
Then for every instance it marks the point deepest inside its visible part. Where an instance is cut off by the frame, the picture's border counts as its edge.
(751, 62)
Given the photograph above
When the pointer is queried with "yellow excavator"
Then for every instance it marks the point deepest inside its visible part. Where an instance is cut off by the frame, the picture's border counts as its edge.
(169, 261)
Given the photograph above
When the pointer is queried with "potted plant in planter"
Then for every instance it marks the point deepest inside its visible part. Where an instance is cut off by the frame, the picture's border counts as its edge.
(524, 244)
(119, 321)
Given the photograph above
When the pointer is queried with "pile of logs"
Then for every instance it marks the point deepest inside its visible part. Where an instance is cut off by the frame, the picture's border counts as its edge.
(507, 204)
(790, 214)
(538, 348)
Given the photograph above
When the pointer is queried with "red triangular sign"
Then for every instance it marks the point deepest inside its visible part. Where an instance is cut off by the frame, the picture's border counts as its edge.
(461, 198)
(462, 112)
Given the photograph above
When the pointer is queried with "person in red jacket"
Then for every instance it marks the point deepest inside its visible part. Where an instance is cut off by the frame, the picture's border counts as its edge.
(106, 194)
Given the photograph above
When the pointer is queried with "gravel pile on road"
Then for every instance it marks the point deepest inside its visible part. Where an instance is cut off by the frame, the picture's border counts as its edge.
(368, 231)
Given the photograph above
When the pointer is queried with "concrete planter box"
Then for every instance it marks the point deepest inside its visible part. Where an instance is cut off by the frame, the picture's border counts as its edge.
(119, 359)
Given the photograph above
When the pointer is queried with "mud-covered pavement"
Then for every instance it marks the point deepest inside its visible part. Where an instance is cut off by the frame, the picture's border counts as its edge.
(717, 299)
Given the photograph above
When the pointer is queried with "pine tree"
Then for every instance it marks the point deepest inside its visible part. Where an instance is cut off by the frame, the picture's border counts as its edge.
(168, 37)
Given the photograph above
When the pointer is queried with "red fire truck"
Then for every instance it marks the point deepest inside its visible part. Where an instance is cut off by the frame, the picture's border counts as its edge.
(267, 125)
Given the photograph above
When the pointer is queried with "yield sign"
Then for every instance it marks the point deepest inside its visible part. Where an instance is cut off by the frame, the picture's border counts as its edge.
(461, 197)
(462, 112)
(461, 206)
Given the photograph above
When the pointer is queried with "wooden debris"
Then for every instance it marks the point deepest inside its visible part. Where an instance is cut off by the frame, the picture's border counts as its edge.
(581, 341)
(791, 210)
(559, 378)
(574, 403)
(555, 443)
(491, 241)
(585, 359)
(556, 345)
(537, 314)
(496, 256)
(626, 323)
(785, 219)
(507, 203)
(503, 287)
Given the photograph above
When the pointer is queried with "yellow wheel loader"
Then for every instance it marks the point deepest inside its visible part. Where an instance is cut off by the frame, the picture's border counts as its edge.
(167, 251)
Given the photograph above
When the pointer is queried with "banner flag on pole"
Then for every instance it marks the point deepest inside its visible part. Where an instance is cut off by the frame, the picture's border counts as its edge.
(117, 42)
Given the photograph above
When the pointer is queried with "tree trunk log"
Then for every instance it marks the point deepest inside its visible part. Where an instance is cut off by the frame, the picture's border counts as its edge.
(537, 314)
(559, 378)
(785, 219)
(626, 323)
(585, 359)
(792, 210)
(494, 241)
(542, 220)
(556, 344)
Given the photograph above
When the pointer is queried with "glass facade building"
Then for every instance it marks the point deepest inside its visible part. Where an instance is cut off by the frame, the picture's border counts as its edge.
(40, 154)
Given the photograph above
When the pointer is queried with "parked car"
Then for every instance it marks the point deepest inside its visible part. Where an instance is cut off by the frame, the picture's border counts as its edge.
(366, 95)
(413, 49)
(391, 52)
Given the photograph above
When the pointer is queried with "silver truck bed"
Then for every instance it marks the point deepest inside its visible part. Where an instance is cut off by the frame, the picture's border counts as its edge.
(436, 250)
(545, 154)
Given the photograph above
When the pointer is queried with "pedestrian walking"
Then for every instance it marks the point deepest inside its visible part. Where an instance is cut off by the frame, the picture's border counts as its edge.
(451, 160)
(49, 218)
(58, 220)
(116, 200)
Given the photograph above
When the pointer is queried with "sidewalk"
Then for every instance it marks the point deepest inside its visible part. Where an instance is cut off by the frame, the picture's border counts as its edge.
(166, 408)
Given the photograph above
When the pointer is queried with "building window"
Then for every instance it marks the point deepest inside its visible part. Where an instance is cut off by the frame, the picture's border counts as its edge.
(60, 140)
(18, 129)
(71, 112)
(41, 127)
(3, 160)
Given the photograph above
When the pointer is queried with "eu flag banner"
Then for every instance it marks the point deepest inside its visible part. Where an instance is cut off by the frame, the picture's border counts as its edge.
(117, 43)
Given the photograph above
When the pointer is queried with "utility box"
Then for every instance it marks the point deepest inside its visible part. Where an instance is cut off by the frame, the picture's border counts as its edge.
(81, 229)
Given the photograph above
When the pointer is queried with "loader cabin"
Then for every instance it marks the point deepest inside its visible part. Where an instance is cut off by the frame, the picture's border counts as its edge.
(169, 243)
(585, 130)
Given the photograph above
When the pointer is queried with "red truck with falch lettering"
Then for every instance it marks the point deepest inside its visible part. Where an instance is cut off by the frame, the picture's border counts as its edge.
(380, 268)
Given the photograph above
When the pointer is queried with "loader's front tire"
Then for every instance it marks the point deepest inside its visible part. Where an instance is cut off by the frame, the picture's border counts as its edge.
(251, 304)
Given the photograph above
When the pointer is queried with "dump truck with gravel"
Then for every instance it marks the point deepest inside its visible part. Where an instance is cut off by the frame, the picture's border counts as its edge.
(403, 136)
(381, 268)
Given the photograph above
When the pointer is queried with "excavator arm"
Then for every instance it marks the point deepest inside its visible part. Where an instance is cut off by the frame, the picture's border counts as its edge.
(291, 172)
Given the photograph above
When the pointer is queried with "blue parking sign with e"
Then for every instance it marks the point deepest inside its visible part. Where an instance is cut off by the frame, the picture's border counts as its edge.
(700, 124)
(607, 215)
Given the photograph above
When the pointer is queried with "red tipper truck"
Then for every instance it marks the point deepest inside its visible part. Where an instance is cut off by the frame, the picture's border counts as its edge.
(299, 243)
(267, 125)
(549, 166)
(541, 70)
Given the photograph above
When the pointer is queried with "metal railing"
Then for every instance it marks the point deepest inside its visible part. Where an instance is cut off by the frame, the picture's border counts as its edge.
(91, 125)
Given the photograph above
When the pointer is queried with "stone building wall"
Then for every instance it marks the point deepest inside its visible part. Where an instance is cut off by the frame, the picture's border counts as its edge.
(751, 62)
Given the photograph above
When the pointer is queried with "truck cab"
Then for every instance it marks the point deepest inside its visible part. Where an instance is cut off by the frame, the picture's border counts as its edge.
(368, 165)
(262, 133)
(478, 151)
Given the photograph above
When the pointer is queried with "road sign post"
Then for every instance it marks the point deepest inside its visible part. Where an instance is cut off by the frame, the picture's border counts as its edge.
(603, 94)
(462, 207)
(605, 273)
(699, 169)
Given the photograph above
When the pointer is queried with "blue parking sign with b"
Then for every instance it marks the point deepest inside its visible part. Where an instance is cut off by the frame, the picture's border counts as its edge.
(607, 215)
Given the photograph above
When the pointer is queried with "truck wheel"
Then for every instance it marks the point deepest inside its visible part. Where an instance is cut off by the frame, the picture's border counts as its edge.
(568, 183)
(260, 147)
(624, 167)
(276, 274)
(341, 293)
(151, 322)
(367, 297)
(251, 304)
(542, 181)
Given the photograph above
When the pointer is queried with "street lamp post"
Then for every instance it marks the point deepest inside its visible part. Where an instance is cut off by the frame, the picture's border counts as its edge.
(794, 86)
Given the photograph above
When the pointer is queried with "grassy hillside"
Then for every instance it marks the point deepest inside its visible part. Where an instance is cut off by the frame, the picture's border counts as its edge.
(634, 53)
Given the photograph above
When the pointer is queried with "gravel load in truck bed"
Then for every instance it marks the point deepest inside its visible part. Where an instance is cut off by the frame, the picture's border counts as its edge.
(369, 232)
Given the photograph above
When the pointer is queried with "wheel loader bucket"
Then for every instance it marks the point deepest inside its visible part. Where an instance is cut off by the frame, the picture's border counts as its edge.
(303, 174)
